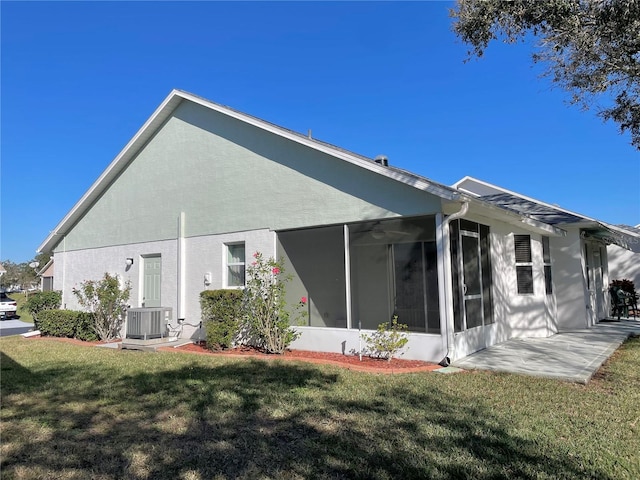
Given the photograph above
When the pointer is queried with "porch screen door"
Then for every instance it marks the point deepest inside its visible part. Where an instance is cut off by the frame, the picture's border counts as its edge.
(472, 284)
(471, 275)
(152, 276)
(409, 285)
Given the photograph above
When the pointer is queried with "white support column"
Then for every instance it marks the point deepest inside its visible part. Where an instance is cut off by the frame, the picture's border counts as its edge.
(444, 280)
(347, 274)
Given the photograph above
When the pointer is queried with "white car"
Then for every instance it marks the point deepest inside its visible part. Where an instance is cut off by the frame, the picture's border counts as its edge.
(8, 306)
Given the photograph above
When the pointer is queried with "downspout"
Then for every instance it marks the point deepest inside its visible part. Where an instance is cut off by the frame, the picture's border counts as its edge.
(448, 289)
(181, 270)
(64, 270)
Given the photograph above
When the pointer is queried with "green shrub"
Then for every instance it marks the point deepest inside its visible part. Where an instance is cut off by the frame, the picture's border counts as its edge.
(221, 317)
(387, 341)
(67, 323)
(106, 302)
(39, 301)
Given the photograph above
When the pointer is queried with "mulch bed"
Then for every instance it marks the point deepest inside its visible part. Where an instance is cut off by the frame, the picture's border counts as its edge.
(351, 362)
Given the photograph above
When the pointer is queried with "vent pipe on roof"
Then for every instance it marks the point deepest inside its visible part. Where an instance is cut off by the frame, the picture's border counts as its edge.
(309, 133)
(382, 160)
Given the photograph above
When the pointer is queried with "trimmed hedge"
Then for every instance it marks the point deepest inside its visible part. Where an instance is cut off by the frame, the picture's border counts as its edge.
(67, 323)
(221, 317)
(39, 301)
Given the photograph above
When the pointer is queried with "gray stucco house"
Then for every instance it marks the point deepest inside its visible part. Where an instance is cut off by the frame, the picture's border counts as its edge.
(201, 187)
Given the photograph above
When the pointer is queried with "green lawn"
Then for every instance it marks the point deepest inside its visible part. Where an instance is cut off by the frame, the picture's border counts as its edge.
(77, 412)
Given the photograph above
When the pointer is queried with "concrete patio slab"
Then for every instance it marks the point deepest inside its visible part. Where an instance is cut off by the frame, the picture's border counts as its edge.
(153, 345)
(571, 356)
(115, 345)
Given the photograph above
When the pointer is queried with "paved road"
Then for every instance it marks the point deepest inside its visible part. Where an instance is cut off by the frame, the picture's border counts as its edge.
(571, 356)
(14, 327)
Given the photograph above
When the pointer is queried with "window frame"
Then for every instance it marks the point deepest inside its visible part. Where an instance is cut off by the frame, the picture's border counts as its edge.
(227, 264)
(523, 265)
(546, 265)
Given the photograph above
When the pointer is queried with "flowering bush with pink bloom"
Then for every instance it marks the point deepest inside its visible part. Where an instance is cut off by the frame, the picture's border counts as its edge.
(267, 317)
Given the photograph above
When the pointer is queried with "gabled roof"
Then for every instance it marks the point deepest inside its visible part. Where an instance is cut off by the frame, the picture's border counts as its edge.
(622, 235)
(176, 97)
(46, 266)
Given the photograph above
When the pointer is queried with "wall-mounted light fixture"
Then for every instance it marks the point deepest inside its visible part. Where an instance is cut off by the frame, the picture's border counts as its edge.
(129, 262)
(207, 279)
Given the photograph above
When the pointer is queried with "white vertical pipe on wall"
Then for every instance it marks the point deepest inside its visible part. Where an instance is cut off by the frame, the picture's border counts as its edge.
(64, 272)
(181, 267)
(275, 245)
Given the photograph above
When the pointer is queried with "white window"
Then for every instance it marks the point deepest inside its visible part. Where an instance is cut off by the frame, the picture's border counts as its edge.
(235, 265)
(546, 259)
(587, 265)
(524, 266)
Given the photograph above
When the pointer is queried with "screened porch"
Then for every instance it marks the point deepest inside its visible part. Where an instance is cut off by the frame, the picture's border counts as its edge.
(360, 275)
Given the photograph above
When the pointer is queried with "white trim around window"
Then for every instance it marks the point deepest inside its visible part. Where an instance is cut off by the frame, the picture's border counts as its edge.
(524, 264)
(234, 261)
(546, 262)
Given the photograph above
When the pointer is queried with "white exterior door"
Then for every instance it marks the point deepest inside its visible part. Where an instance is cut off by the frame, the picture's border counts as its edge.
(152, 281)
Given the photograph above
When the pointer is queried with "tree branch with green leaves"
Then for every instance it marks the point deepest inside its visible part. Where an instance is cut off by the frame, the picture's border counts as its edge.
(590, 48)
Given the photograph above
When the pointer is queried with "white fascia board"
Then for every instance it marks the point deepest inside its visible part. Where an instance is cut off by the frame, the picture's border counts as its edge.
(464, 190)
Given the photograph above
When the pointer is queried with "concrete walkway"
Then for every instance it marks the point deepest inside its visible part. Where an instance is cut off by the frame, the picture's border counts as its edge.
(570, 356)
(14, 327)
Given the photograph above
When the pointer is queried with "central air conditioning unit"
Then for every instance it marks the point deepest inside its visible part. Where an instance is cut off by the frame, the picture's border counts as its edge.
(148, 323)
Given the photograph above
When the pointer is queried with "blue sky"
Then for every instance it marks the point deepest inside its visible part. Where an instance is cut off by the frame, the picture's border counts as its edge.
(78, 79)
